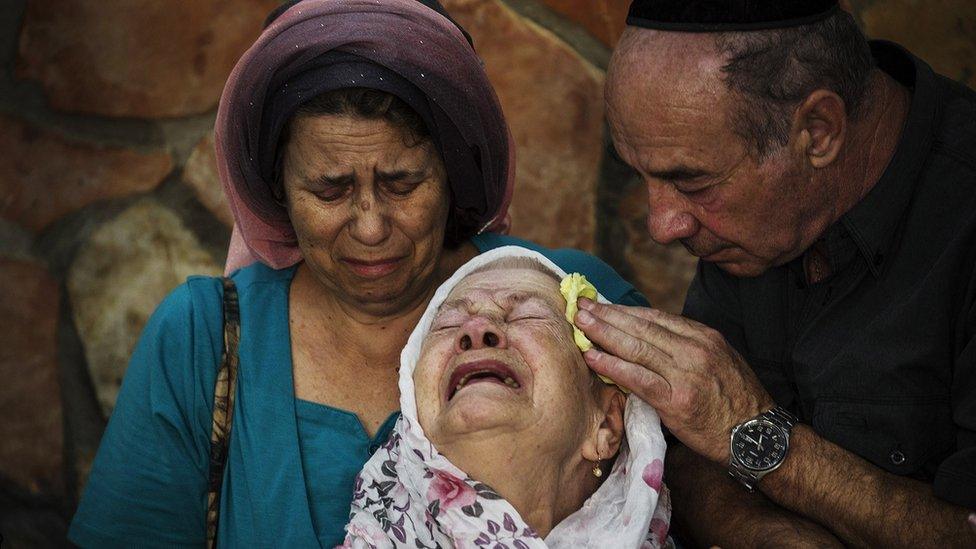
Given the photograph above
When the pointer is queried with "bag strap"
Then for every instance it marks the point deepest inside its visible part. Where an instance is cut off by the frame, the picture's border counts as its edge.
(223, 407)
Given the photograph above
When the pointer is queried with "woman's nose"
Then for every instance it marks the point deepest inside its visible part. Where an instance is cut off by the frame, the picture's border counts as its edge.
(479, 333)
(370, 222)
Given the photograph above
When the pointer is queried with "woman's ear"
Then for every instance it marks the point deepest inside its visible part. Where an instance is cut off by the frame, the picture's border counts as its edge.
(604, 441)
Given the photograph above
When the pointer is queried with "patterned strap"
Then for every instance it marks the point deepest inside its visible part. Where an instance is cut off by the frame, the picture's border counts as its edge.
(223, 409)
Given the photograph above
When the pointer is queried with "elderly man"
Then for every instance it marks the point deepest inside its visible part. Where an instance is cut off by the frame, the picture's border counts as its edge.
(829, 187)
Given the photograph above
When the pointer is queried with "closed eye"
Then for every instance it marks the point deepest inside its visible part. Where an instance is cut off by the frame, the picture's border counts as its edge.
(701, 195)
(401, 182)
(401, 187)
(333, 193)
(679, 175)
(528, 318)
(331, 187)
(695, 192)
(449, 321)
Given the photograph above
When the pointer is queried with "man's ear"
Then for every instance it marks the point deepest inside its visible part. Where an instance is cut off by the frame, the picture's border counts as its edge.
(820, 127)
(604, 441)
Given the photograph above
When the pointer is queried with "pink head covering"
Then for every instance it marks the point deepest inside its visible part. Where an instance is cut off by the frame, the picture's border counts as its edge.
(399, 46)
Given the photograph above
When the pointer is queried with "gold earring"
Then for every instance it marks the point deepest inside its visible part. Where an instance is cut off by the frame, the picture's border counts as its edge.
(597, 471)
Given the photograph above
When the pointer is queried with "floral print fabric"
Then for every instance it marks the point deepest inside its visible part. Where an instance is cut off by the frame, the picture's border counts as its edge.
(409, 495)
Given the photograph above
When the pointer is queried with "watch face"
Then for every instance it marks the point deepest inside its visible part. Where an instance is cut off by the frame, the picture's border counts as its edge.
(759, 445)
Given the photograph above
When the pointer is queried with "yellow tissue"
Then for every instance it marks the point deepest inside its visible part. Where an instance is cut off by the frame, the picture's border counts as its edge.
(573, 287)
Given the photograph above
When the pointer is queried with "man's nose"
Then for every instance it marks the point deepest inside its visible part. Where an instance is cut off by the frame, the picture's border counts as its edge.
(370, 222)
(479, 333)
(667, 216)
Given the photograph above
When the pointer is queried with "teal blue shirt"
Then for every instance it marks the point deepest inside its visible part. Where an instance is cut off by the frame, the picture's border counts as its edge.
(291, 464)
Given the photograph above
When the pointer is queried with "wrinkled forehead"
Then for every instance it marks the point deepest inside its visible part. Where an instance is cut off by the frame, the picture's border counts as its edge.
(506, 287)
(655, 69)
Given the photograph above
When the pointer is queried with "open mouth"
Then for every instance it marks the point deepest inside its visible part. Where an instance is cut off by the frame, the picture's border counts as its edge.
(482, 371)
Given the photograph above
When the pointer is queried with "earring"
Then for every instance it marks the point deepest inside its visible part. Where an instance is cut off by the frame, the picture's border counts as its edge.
(597, 471)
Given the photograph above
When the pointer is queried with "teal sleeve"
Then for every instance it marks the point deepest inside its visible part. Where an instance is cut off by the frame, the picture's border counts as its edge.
(147, 486)
(603, 276)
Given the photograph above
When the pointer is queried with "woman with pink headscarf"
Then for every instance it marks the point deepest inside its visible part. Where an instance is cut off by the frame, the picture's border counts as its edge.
(365, 157)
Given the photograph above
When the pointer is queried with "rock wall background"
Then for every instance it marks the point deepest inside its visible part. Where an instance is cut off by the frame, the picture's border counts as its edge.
(109, 197)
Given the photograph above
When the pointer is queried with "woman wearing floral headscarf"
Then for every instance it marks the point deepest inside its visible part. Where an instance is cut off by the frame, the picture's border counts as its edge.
(507, 439)
(365, 158)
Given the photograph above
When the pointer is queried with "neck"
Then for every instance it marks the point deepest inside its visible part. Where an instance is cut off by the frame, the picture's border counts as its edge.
(872, 140)
(544, 488)
(371, 340)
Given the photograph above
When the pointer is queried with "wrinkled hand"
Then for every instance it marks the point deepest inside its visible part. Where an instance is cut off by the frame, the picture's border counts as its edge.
(700, 386)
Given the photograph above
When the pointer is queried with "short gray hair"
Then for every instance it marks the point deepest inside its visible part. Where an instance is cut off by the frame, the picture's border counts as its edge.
(772, 71)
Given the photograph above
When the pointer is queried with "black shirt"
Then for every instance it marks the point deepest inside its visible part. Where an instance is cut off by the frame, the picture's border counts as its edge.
(880, 357)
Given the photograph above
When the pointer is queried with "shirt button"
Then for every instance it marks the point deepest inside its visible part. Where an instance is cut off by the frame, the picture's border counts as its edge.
(897, 457)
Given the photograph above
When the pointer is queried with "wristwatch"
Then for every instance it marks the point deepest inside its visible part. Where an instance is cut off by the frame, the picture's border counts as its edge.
(758, 446)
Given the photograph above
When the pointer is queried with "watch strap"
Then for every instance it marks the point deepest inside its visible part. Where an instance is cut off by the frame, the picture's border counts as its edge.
(745, 477)
(780, 416)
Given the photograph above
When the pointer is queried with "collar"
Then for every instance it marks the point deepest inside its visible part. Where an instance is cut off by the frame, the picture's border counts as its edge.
(874, 221)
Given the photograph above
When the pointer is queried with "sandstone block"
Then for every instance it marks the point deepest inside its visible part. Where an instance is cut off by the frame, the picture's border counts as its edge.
(605, 19)
(942, 32)
(31, 430)
(553, 100)
(44, 175)
(120, 275)
(136, 58)
(200, 174)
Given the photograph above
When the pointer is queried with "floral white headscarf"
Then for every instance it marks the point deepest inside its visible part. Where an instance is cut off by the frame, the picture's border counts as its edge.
(409, 495)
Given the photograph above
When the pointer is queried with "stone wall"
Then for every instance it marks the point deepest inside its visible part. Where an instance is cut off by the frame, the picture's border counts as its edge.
(109, 197)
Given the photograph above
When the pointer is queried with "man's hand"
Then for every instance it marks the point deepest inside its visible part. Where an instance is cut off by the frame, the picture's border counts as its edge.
(699, 384)
(701, 388)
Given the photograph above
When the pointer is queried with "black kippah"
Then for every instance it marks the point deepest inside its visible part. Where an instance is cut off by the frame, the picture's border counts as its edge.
(727, 15)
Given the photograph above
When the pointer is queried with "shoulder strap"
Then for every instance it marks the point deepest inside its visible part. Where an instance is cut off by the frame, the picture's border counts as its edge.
(223, 408)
